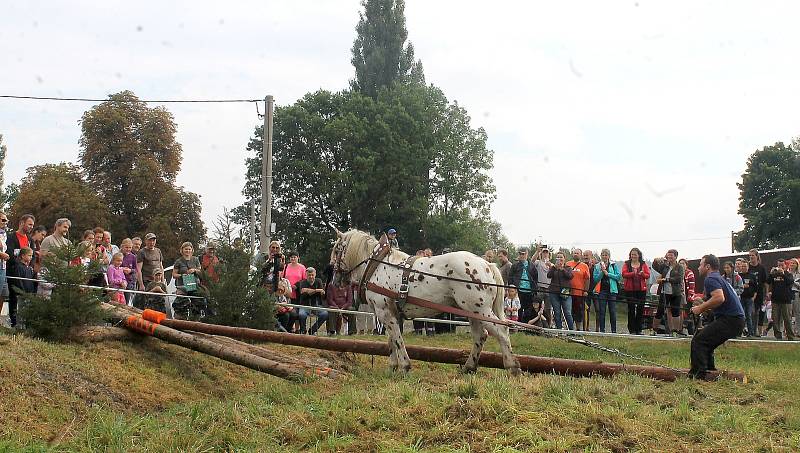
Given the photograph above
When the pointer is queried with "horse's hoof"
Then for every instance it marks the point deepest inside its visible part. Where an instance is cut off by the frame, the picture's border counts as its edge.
(406, 368)
(469, 369)
(515, 371)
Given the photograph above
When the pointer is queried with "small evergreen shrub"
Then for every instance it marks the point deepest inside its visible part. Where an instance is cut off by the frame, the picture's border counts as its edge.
(238, 299)
(68, 306)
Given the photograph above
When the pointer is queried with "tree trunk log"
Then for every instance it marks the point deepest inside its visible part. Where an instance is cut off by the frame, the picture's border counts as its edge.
(316, 368)
(195, 343)
(532, 364)
(103, 333)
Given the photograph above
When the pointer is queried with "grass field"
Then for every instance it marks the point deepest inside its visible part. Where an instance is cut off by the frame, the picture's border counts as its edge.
(148, 396)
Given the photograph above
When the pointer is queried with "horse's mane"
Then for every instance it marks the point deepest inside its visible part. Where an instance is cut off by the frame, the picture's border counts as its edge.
(359, 241)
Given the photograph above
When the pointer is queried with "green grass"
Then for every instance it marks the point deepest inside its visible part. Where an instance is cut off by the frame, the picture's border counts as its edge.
(155, 397)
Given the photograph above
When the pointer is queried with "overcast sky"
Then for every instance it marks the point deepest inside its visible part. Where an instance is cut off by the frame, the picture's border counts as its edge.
(613, 124)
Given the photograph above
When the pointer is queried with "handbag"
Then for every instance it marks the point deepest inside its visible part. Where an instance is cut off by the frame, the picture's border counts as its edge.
(190, 282)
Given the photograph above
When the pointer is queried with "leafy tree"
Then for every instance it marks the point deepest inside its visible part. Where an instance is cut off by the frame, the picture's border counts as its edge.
(391, 152)
(129, 152)
(53, 191)
(381, 56)
(9, 193)
(459, 230)
(3, 155)
(769, 198)
(238, 299)
(69, 306)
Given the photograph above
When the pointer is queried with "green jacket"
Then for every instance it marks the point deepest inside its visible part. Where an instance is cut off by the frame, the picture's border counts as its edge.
(613, 277)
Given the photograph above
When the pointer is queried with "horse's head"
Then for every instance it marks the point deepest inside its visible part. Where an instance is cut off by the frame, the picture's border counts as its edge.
(340, 269)
(346, 256)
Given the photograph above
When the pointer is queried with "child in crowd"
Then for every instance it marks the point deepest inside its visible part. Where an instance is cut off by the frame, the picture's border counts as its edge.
(22, 269)
(116, 278)
(511, 304)
(86, 257)
(157, 285)
(128, 267)
(286, 315)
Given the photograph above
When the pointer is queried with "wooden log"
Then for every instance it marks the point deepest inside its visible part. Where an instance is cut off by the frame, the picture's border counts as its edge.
(103, 333)
(195, 343)
(528, 363)
(311, 368)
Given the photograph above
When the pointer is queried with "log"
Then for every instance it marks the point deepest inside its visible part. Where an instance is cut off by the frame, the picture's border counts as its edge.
(311, 368)
(103, 333)
(533, 364)
(137, 324)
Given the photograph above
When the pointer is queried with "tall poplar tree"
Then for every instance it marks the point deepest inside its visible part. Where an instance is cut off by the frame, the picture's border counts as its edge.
(381, 55)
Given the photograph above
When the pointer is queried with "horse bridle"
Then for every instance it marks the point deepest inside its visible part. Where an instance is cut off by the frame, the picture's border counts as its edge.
(338, 265)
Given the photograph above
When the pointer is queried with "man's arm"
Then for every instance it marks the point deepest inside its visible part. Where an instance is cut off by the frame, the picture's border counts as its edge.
(716, 299)
(139, 274)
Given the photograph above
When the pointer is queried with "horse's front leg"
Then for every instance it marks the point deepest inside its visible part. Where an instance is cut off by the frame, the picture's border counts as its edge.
(478, 339)
(398, 358)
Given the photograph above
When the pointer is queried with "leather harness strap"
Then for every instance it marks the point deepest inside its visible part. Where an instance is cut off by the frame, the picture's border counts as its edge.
(448, 309)
(382, 249)
(403, 290)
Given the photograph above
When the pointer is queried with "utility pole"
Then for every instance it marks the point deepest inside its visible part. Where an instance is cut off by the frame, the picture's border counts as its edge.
(733, 242)
(266, 179)
(252, 227)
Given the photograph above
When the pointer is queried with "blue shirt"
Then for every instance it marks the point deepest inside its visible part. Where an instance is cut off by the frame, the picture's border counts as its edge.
(524, 281)
(732, 305)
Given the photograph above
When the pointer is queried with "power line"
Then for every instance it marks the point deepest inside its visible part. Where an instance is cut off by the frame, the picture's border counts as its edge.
(163, 101)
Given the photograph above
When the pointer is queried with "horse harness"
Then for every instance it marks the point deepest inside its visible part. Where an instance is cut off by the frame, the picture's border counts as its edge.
(401, 297)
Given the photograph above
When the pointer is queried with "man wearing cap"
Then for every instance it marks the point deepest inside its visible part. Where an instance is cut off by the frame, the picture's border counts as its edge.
(391, 233)
(148, 259)
(523, 276)
(209, 262)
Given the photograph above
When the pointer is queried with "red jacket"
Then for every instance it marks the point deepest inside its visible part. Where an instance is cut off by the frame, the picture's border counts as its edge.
(635, 281)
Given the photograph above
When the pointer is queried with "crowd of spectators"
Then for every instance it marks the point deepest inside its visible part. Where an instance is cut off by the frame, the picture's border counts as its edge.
(567, 292)
(555, 294)
(134, 265)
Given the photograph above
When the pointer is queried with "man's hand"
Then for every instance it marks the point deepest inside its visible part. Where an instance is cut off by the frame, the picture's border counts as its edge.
(697, 310)
(4, 256)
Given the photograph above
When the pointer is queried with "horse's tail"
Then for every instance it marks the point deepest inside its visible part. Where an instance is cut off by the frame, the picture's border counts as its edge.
(497, 306)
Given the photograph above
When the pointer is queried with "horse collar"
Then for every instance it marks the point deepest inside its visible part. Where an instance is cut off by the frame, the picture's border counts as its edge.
(380, 252)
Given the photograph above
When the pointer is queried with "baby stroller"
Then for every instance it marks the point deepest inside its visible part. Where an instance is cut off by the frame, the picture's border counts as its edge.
(190, 300)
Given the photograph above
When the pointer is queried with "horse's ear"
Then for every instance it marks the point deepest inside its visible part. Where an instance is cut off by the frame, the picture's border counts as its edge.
(339, 234)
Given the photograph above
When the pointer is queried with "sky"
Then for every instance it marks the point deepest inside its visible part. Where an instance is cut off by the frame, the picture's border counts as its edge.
(613, 124)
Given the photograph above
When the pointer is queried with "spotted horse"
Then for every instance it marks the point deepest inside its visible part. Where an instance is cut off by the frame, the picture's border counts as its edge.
(388, 278)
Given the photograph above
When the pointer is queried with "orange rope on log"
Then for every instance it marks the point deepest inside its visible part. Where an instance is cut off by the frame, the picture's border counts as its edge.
(140, 325)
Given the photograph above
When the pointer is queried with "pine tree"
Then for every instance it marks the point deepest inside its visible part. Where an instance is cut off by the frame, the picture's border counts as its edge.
(380, 54)
(237, 298)
(69, 305)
